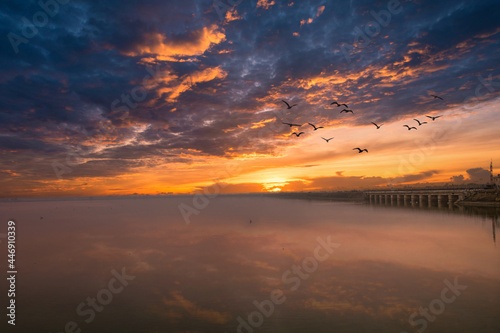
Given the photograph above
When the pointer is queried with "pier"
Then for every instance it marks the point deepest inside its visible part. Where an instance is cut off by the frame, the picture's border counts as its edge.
(419, 197)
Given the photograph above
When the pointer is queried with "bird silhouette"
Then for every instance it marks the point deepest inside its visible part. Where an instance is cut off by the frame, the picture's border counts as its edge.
(346, 111)
(315, 128)
(435, 96)
(327, 139)
(420, 123)
(378, 126)
(288, 105)
(298, 134)
(335, 102)
(409, 128)
(360, 150)
(290, 124)
(433, 118)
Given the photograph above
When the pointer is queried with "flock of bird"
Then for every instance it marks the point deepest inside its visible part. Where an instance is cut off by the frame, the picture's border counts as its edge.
(347, 110)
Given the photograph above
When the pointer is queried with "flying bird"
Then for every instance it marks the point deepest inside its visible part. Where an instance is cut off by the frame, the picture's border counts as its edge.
(409, 128)
(433, 118)
(346, 111)
(290, 124)
(298, 134)
(360, 150)
(288, 105)
(315, 128)
(378, 126)
(420, 123)
(435, 96)
(335, 102)
(327, 139)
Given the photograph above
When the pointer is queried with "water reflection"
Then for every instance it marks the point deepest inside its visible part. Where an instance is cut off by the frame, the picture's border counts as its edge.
(221, 270)
(489, 214)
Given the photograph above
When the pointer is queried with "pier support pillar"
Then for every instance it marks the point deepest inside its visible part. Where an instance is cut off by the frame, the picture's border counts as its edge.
(429, 198)
(421, 200)
(440, 200)
(450, 201)
(413, 199)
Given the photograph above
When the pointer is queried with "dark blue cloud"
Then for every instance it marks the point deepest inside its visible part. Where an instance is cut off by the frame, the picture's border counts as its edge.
(61, 85)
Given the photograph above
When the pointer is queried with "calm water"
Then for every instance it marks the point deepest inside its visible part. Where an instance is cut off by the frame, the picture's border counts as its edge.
(134, 265)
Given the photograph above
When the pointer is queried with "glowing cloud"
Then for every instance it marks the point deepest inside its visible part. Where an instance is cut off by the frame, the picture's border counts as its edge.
(232, 15)
(320, 11)
(174, 86)
(265, 4)
(197, 43)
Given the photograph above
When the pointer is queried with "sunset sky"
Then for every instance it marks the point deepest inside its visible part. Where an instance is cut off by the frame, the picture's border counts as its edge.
(120, 97)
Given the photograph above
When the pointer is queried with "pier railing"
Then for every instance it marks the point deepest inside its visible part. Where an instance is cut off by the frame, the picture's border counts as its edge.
(421, 196)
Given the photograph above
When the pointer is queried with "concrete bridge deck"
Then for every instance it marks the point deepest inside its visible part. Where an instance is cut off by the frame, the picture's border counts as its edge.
(419, 197)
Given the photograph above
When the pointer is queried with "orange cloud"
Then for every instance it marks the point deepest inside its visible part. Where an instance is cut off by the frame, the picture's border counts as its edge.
(265, 3)
(232, 15)
(173, 85)
(162, 48)
(194, 310)
(310, 20)
(206, 75)
(320, 11)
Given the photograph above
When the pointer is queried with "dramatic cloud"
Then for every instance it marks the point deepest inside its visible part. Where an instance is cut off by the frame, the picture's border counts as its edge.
(108, 93)
(265, 3)
(195, 44)
(478, 175)
(457, 179)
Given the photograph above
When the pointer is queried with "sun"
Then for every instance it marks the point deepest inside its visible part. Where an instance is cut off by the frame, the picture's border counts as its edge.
(274, 184)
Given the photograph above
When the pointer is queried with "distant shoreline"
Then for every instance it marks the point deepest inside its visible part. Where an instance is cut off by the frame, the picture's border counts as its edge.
(322, 195)
(480, 198)
(348, 196)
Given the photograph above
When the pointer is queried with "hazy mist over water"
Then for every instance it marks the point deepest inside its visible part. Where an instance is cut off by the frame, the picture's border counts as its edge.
(384, 265)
